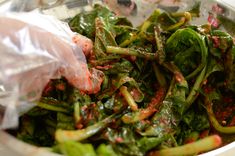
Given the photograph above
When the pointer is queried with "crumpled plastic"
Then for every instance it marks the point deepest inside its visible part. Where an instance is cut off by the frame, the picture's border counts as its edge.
(35, 48)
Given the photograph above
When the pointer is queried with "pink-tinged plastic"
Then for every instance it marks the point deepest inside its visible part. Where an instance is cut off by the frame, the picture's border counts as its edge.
(34, 49)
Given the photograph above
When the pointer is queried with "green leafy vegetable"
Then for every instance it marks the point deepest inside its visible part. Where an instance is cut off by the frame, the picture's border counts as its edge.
(71, 148)
(167, 87)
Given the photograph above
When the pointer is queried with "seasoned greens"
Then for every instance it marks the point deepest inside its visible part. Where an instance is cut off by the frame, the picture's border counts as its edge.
(163, 82)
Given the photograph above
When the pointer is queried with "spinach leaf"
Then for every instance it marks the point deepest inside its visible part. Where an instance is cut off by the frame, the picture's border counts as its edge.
(188, 50)
(84, 23)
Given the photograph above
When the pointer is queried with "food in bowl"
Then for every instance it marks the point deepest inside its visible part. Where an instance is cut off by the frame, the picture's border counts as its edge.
(167, 89)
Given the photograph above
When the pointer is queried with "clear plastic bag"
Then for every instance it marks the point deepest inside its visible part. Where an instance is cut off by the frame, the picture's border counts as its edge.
(35, 48)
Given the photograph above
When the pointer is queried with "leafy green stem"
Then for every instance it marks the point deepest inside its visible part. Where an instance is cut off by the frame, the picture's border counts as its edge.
(82, 134)
(176, 25)
(130, 52)
(147, 112)
(129, 99)
(214, 122)
(160, 48)
(202, 145)
(186, 16)
(160, 77)
(133, 37)
(52, 107)
(194, 91)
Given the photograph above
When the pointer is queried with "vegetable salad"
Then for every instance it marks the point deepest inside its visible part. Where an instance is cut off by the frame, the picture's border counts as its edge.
(164, 87)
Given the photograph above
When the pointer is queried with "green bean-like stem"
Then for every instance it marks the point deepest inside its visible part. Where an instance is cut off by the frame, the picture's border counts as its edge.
(202, 145)
(52, 107)
(145, 26)
(160, 48)
(130, 52)
(105, 60)
(219, 128)
(215, 123)
(186, 14)
(138, 116)
(194, 91)
(82, 134)
(129, 99)
(76, 113)
(132, 38)
(147, 112)
(177, 25)
(160, 77)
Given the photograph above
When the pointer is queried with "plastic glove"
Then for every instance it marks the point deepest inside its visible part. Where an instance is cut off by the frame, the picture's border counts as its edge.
(35, 48)
(31, 41)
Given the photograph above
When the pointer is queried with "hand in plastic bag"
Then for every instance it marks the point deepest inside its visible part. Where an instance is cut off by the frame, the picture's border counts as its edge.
(34, 49)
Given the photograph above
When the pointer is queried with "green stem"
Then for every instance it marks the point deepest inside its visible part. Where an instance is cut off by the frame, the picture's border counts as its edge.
(154, 16)
(147, 112)
(215, 123)
(157, 38)
(218, 127)
(160, 48)
(105, 60)
(177, 14)
(76, 113)
(171, 67)
(178, 77)
(130, 52)
(186, 14)
(129, 99)
(132, 38)
(160, 77)
(145, 26)
(177, 25)
(194, 91)
(138, 116)
(172, 84)
(78, 135)
(52, 107)
(202, 145)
